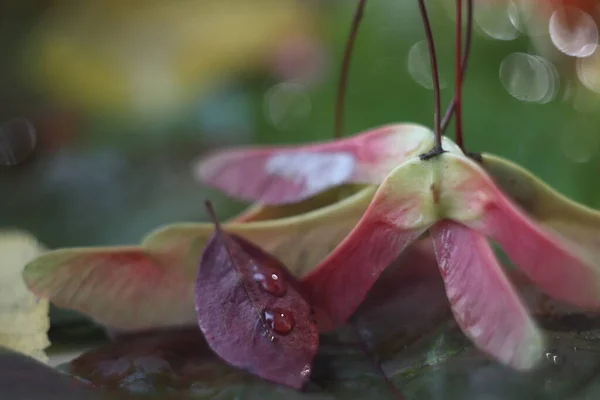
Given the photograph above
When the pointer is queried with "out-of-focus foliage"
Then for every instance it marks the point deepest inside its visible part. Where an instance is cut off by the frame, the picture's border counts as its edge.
(402, 329)
(151, 57)
(103, 179)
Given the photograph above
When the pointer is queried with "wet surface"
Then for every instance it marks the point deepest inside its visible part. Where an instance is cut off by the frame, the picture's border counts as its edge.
(403, 329)
(441, 365)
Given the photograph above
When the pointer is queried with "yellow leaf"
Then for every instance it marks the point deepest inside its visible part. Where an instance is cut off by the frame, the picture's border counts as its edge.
(24, 320)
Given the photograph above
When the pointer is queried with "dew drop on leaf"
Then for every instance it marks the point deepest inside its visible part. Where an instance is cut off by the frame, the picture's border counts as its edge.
(271, 281)
(251, 311)
(280, 320)
(17, 141)
(554, 358)
(573, 32)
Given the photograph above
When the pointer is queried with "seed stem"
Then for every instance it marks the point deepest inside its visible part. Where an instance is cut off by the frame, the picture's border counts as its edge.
(343, 81)
(464, 63)
(458, 76)
(435, 75)
(212, 215)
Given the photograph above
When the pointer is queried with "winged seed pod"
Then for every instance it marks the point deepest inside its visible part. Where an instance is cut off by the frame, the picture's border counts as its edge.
(461, 204)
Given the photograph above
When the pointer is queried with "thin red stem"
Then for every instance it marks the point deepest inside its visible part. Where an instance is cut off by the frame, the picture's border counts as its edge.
(458, 76)
(435, 75)
(212, 215)
(465, 60)
(343, 82)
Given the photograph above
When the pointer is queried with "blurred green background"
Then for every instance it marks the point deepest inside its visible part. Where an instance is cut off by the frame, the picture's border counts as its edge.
(124, 97)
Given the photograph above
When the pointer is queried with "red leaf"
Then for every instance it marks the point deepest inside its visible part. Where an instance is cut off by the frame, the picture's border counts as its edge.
(484, 303)
(279, 175)
(252, 313)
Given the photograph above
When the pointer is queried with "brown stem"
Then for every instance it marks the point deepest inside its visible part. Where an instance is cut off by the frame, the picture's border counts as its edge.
(211, 213)
(435, 75)
(343, 82)
(465, 60)
(458, 76)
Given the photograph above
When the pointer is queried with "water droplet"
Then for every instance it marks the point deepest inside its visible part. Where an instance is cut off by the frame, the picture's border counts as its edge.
(306, 370)
(201, 389)
(554, 358)
(419, 67)
(573, 32)
(17, 141)
(271, 281)
(280, 320)
(529, 78)
(287, 104)
(498, 20)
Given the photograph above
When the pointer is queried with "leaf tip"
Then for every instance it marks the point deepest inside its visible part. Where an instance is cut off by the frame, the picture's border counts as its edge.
(532, 351)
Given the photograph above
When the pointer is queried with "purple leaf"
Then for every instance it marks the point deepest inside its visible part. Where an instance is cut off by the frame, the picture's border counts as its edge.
(252, 313)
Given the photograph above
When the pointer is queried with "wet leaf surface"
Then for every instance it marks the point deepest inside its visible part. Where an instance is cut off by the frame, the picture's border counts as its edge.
(23, 378)
(406, 324)
(442, 365)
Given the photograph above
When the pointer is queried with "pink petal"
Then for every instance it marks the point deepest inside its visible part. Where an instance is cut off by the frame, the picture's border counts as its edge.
(339, 284)
(279, 175)
(556, 265)
(578, 224)
(484, 303)
(398, 214)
